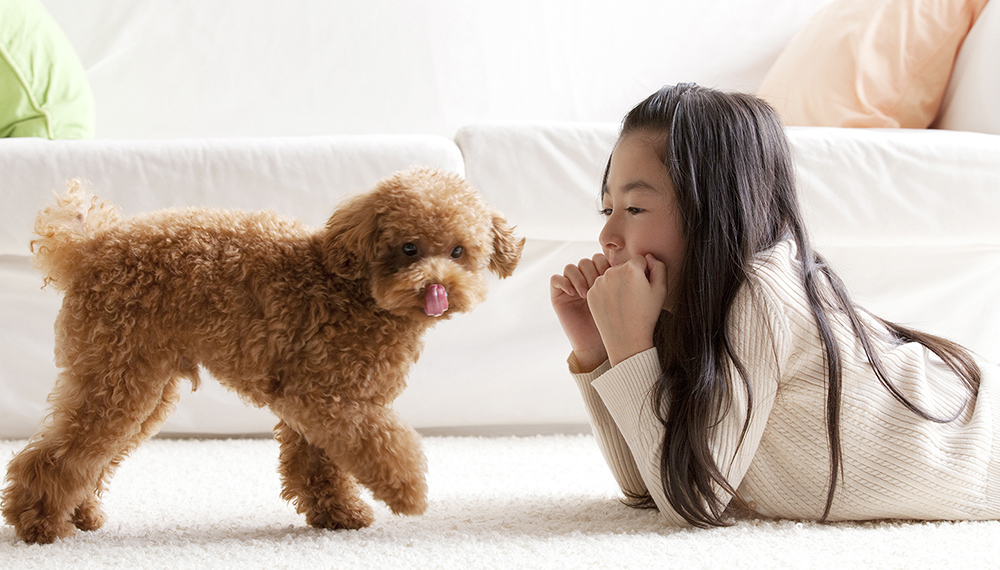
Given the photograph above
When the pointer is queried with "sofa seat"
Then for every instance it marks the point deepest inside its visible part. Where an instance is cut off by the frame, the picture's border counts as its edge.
(907, 217)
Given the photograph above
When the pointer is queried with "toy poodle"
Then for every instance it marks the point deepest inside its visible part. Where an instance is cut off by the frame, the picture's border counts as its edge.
(321, 326)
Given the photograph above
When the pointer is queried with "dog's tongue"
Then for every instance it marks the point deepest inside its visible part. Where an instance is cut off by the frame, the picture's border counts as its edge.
(436, 302)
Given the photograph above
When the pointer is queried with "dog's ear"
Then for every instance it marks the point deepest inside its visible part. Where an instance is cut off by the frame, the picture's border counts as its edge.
(351, 237)
(506, 247)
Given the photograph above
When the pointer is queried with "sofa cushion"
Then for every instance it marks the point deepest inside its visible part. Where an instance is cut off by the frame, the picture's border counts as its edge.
(870, 63)
(43, 87)
(972, 101)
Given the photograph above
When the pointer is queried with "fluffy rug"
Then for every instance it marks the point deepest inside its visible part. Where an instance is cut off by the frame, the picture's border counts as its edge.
(506, 502)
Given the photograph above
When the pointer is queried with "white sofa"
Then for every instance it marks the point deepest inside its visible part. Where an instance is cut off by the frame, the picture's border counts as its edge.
(293, 105)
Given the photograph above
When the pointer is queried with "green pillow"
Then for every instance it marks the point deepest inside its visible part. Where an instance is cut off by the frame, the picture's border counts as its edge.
(43, 88)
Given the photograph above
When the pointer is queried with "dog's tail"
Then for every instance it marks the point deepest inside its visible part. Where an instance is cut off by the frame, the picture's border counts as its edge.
(64, 228)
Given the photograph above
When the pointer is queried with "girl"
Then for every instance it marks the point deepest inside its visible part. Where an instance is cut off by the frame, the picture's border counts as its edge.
(726, 370)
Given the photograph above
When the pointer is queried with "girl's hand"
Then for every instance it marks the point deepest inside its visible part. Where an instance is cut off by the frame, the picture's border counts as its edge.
(569, 299)
(626, 302)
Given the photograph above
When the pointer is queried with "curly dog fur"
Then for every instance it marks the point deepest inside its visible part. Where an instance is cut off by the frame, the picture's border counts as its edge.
(321, 327)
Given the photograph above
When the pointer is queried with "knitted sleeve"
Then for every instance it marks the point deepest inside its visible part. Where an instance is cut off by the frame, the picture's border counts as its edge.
(609, 440)
(760, 339)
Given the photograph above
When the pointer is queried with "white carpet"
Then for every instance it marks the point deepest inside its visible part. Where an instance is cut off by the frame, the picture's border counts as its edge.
(511, 502)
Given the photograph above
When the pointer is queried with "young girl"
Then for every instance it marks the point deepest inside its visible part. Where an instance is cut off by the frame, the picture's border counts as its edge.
(726, 370)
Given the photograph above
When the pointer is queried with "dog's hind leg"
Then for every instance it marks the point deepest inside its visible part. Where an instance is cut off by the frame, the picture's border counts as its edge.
(95, 416)
(316, 486)
(88, 515)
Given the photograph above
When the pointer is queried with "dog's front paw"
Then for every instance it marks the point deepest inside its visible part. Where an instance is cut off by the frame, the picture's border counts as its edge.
(42, 530)
(408, 498)
(89, 515)
(350, 517)
(34, 522)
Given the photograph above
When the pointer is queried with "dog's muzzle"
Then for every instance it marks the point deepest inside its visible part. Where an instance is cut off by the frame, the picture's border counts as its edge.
(436, 301)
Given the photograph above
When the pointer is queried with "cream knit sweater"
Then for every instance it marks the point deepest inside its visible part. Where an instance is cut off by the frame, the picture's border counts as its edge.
(895, 464)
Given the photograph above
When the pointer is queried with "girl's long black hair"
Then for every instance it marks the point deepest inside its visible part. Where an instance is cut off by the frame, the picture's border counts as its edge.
(730, 165)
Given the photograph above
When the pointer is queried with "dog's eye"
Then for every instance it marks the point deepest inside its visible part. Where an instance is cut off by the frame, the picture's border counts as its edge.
(409, 249)
(457, 252)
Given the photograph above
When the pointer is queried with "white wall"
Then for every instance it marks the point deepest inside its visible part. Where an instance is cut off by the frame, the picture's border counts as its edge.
(219, 68)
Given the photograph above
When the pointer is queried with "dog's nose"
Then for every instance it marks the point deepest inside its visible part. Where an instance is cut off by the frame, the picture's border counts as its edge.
(436, 300)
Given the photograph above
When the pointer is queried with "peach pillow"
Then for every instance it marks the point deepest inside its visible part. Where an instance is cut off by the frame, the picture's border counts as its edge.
(972, 101)
(870, 63)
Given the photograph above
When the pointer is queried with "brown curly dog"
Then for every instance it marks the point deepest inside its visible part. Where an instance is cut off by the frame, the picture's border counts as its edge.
(319, 326)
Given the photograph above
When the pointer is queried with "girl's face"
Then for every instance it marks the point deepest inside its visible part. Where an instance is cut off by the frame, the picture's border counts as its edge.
(640, 207)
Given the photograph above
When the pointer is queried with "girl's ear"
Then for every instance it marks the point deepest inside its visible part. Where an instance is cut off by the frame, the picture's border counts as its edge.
(351, 236)
(506, 247)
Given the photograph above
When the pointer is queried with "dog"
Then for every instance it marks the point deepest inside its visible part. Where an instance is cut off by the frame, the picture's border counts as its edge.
(320, 326)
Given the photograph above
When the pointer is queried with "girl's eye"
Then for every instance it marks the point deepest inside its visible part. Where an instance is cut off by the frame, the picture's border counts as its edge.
(457, 252)
(409, 249)
(632, 210)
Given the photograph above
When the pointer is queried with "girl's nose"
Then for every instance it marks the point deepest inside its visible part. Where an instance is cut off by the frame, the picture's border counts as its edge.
(610, 236)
